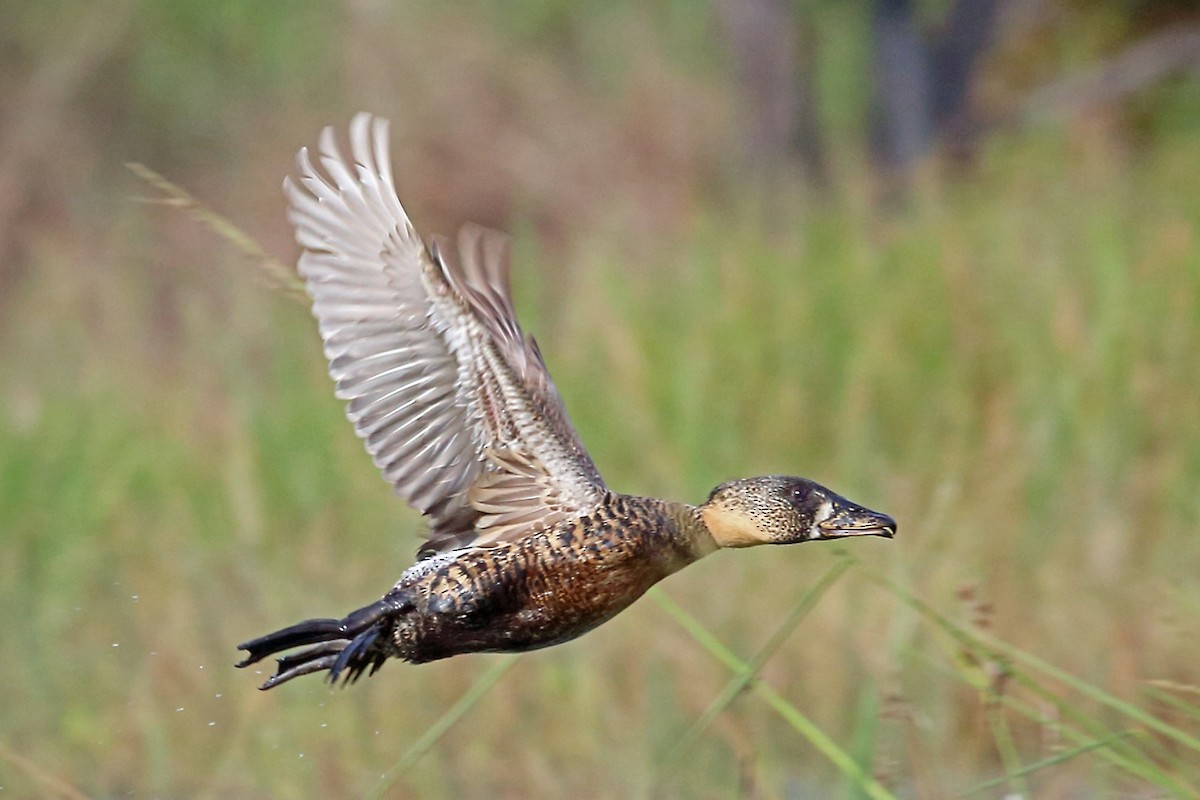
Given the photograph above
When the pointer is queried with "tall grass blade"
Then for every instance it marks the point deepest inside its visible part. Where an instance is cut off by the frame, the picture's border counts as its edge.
(53, 784)
(1052, 761)
(1006, 746)
(1127, 758)
(434, 732)
(277, 275)
(738, 683)
(1099, 695)
(790, 714)
(999, 645)
(1177, 703)
(1122, 753)
(1139, 764)
(865, 739)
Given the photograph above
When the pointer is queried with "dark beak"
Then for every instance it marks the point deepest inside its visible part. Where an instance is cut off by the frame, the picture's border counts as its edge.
(849, 519)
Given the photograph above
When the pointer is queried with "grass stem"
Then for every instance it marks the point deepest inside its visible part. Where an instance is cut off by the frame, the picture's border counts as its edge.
(434, 732)
(790, 714)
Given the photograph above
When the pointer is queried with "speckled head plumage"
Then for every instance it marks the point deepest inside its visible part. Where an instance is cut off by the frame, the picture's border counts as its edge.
(780, 509)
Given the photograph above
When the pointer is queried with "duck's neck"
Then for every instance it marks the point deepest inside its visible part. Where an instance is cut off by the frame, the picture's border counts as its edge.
(693, 538)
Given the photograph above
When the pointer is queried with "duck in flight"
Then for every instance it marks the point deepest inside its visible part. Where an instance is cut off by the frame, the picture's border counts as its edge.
(526, 546)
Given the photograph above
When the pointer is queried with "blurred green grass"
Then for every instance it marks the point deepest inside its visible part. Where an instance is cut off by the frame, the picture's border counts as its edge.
(1008, 363)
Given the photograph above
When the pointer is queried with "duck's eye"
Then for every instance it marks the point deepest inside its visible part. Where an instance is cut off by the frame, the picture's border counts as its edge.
(799, 494)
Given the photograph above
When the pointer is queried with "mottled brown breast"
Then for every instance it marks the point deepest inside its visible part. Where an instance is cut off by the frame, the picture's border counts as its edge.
(546, 588)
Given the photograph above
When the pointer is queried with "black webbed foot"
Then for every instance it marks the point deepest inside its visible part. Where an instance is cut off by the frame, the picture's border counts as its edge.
(348, 645)
(357, 656)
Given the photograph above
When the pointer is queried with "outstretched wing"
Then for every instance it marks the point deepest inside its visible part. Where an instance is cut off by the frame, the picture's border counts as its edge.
(453, 401)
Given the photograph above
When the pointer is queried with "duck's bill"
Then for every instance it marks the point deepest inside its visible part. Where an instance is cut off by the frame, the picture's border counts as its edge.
(849, 519)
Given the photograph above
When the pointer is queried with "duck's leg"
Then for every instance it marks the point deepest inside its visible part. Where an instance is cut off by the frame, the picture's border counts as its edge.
(350, 644)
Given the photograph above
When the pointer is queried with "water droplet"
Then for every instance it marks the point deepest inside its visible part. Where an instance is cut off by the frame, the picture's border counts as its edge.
(210, 724)
(116, 644)
(134, 597)
(179, 709)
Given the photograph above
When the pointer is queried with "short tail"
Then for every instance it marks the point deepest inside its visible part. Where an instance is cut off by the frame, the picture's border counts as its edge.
(349, 645)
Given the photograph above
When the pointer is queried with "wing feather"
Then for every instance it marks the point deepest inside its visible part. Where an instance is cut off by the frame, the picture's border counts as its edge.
(452, 400)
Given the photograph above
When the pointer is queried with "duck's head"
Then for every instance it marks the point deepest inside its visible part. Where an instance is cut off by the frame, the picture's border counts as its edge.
(779, 509)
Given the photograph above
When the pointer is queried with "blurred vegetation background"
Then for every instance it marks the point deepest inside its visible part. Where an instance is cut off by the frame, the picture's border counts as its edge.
(941, 255)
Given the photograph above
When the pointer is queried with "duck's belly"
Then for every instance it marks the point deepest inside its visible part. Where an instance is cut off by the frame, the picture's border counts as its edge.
(522, 597)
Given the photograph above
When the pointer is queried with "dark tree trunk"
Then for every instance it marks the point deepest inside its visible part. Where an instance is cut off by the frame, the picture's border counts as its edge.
(901, 128)
(965, 37)
(777, 95)
(923, 82)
